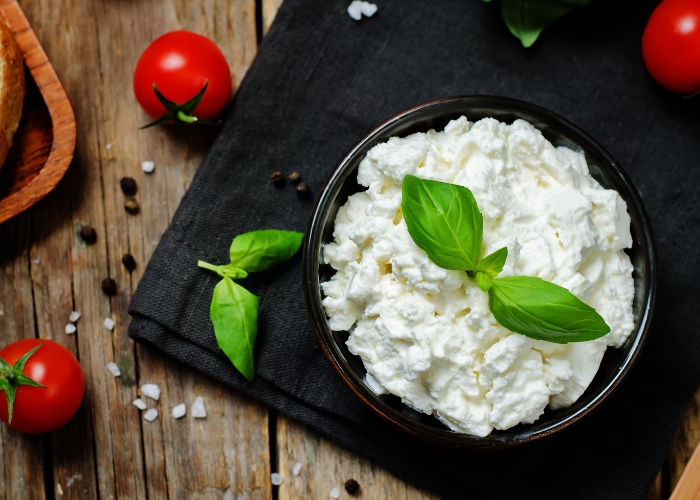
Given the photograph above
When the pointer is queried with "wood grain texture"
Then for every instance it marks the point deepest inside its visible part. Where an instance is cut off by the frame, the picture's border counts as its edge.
(326, 465)
(43, 148)
(685, 443)
(688, 486)
(109, 450)
(269, 10)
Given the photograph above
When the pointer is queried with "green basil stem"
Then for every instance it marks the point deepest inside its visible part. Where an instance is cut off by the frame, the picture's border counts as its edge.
(211, 267)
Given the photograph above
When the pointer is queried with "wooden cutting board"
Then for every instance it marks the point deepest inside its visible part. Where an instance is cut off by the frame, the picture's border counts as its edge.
(45, 140)
(688, 487)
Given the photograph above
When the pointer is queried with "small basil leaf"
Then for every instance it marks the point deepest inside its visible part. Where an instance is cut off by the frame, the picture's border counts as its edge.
(258, 251)
(543, 311)
(493, 264)
(443, 220)
(234, 313)
(484, 281)
(527, 18)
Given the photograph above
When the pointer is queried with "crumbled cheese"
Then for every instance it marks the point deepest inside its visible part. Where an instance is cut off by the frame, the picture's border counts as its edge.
(276, 479)
(425, 334)
(179, 410)
(139, 403)
(74, 316)
(70, 328)
(151, 415)
(150, 391)
(148, 166)
(297, 468)
(335, 493)
(113, 369)
(197, 409)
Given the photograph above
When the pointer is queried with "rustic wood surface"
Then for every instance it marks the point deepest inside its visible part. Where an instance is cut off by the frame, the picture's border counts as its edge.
(108, 451)
(44, 142)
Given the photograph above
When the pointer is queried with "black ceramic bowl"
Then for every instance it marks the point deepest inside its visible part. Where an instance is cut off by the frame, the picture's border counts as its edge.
(616, 363)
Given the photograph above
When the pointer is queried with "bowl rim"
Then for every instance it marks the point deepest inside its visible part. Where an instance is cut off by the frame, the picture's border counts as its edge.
(317, 315)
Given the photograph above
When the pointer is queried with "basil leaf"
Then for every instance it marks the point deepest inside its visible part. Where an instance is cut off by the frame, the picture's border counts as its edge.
(443, 220)
(484, 281)
(492, 265)
(234, 313)
(258, 251)
(527, 18)
(543, 311)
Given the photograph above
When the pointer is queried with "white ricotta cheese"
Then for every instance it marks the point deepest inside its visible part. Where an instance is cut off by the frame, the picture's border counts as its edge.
(425, 333)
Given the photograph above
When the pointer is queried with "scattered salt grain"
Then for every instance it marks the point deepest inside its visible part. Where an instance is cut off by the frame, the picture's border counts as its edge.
(357, 8)
(109, 146)
(197, 409)
(109, 324)
(368, 9)
(276, 478)
(148, 166)
(179, 410)
(113, 368)
(151, 415)
(355, 11)
(70, 328)
(74, 316)
(150, 391)
(335, 493)
(297, 468)
(139, 403)
(59, 490)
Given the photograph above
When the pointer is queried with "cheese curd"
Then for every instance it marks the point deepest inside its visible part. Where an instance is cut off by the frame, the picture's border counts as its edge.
(425, 333)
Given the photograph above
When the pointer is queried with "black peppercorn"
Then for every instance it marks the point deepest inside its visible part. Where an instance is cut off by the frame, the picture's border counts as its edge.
(352, 486)
(132, 206)
(294, 177)
(277, 178)
(128, 185)
(88, 234)
(109, 287)
(303, 189)
(129, 262)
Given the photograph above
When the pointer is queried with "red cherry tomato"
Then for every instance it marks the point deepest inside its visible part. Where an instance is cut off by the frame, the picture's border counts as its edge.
(39, 409)
(671, 45)
(180, 63)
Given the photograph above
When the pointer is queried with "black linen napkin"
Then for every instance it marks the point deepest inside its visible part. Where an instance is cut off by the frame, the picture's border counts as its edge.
(322, 81)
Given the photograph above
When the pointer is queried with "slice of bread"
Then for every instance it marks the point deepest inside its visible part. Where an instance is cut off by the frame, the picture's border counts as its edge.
(11, 88)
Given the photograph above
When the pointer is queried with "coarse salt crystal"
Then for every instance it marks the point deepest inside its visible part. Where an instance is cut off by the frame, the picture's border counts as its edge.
(151, 415)
(139, 403)
(335, 493)
(74, 316)
(368, 9)
(148, 166)
(297, 468)
(70, 328)
(114, 369)
(355, 10)
(197, 409)
(150, 391)
(109, 324)
(179, 410)
(276, 478)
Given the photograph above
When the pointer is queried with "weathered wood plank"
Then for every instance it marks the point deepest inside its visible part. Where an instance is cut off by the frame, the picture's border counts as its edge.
(269, 10)
(326, 465)
(21, 455)
(686, 440)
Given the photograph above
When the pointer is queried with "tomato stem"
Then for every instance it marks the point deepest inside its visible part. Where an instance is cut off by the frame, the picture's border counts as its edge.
(180, 113)
(12, 377)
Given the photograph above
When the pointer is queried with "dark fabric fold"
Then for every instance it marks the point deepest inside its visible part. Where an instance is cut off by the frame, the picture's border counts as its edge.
(322, 81)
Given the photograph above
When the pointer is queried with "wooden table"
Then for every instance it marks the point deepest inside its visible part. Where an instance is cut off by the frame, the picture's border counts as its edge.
(108, 451)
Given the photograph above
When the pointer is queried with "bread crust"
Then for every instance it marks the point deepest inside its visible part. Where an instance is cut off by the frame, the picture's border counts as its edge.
(11, 88)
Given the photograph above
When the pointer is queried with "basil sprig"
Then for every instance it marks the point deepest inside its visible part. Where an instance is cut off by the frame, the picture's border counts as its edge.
(234, 310)
(527, 18)
(444, 220)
